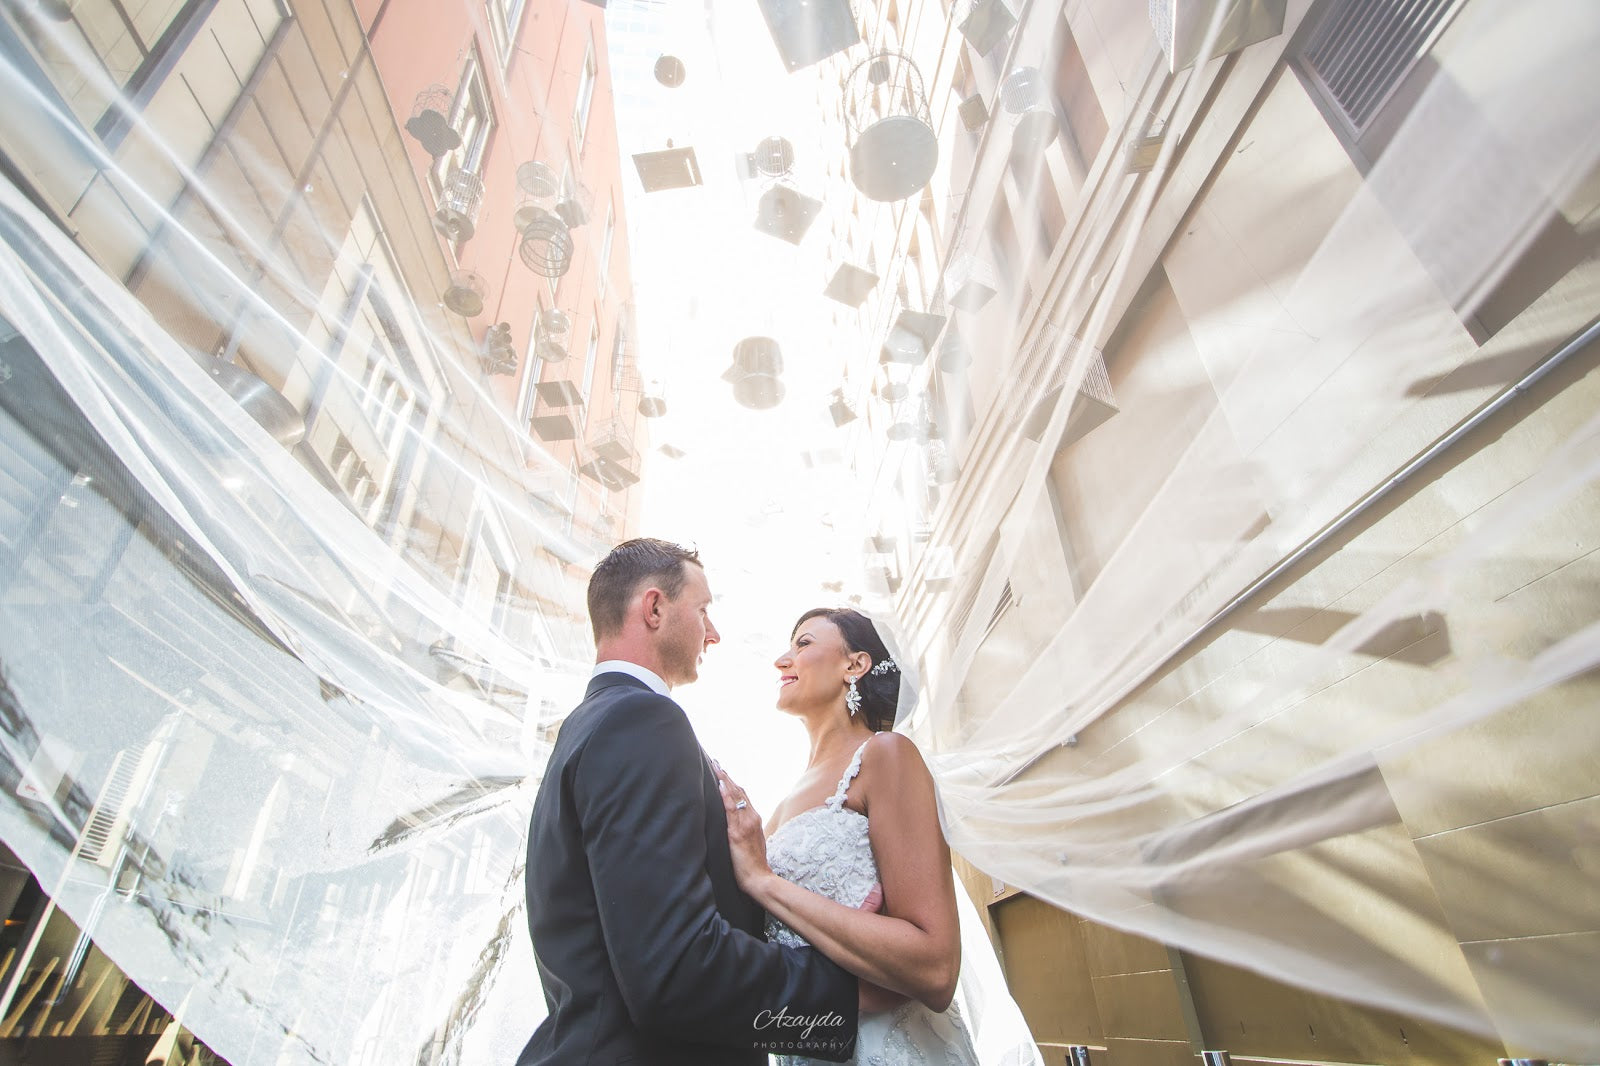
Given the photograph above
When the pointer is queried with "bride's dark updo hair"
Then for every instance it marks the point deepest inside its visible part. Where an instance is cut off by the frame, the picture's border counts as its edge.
(880, 692)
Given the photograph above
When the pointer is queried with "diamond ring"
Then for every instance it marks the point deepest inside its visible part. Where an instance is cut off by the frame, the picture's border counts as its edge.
(741, 805)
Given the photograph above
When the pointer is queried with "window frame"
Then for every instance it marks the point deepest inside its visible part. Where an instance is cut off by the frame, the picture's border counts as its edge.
(583, 105)
(505, 24)
(603, 281)
(155, 63)
(470, 154)
(591, 362)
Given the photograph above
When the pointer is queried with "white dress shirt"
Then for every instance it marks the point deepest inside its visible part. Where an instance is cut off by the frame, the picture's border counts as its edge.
(623, 666)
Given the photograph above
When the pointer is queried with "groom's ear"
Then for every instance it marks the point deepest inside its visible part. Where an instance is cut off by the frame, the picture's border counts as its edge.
(652, 607)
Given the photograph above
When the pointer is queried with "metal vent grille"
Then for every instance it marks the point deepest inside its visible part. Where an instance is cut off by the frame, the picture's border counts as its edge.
(99, 836)
(1364, 48)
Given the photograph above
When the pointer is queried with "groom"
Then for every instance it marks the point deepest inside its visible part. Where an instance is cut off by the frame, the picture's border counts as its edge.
(648, 951)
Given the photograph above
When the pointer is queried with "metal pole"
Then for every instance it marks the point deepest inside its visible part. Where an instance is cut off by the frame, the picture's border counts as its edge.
(1077, 1055)
(1216, 1058)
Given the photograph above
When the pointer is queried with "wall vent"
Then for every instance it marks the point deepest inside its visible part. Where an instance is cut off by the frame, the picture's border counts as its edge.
(1363, 49)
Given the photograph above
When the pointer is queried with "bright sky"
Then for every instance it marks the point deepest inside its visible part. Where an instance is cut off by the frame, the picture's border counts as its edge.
(771, 527)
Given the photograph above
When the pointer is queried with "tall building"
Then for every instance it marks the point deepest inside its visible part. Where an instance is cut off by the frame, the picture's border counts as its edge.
(639, 33)
(1224, 372)
(318, 398)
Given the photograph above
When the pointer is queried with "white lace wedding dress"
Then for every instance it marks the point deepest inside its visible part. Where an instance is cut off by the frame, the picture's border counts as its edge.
(827, 850)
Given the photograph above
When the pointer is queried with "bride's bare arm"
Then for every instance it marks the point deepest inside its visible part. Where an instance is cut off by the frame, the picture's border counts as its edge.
(913, 946)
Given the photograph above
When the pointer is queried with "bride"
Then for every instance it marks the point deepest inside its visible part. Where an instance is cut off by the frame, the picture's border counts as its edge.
(853, 861)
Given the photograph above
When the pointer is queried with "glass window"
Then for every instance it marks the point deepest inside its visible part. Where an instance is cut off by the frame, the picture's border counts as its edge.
(580, 113)
(589, 362)
(372, 394)
(533, 367)
(131, 43)
(603, 282)
(505, 18)
(472, 115)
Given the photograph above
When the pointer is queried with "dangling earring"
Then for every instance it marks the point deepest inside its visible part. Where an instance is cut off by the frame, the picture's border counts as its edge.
(852, 699)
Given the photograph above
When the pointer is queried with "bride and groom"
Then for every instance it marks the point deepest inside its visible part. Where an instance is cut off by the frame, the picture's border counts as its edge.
(669, 926)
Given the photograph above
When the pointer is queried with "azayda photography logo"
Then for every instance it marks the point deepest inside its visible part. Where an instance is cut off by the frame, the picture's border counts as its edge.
(797, 1026)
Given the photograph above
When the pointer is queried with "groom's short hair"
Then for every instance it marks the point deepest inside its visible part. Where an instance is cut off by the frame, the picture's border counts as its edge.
(627, 566)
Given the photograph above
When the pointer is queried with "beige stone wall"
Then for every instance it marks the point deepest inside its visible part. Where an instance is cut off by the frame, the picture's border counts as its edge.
(1136, 1002)
(1480, 873)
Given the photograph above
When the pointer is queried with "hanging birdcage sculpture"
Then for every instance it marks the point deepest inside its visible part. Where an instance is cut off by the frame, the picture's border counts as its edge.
(757, 362)
(575, 205)
(653, 403)
(546, 246)
(609, 451)
(893, 391)
(911, 421)
(941, 465)
(670, 71)
(895, 149)
(499, 349)
(1026, 94)
(456, 217)
(625, 379)
(466, 293)
(840, 409)
(612, 441)
(537, 186)
(551, 331)
(773, 158)
(430, 122)
(904, 426)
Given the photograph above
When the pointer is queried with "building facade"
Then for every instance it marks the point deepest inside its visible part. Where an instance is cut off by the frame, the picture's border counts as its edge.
(1240, 337)
(394, 235)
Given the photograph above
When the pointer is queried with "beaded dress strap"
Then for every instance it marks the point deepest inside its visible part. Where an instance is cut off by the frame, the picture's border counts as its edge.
(836, 801)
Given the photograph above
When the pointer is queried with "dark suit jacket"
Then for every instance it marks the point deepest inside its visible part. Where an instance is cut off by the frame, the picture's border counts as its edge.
(648, 951)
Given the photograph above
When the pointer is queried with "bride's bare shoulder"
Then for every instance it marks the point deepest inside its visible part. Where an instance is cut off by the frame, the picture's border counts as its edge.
(890, 749)
(893, 761)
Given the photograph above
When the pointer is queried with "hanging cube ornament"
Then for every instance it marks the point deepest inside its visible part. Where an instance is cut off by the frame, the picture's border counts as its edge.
(988, 23)
(784, 213)
(850, 285)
